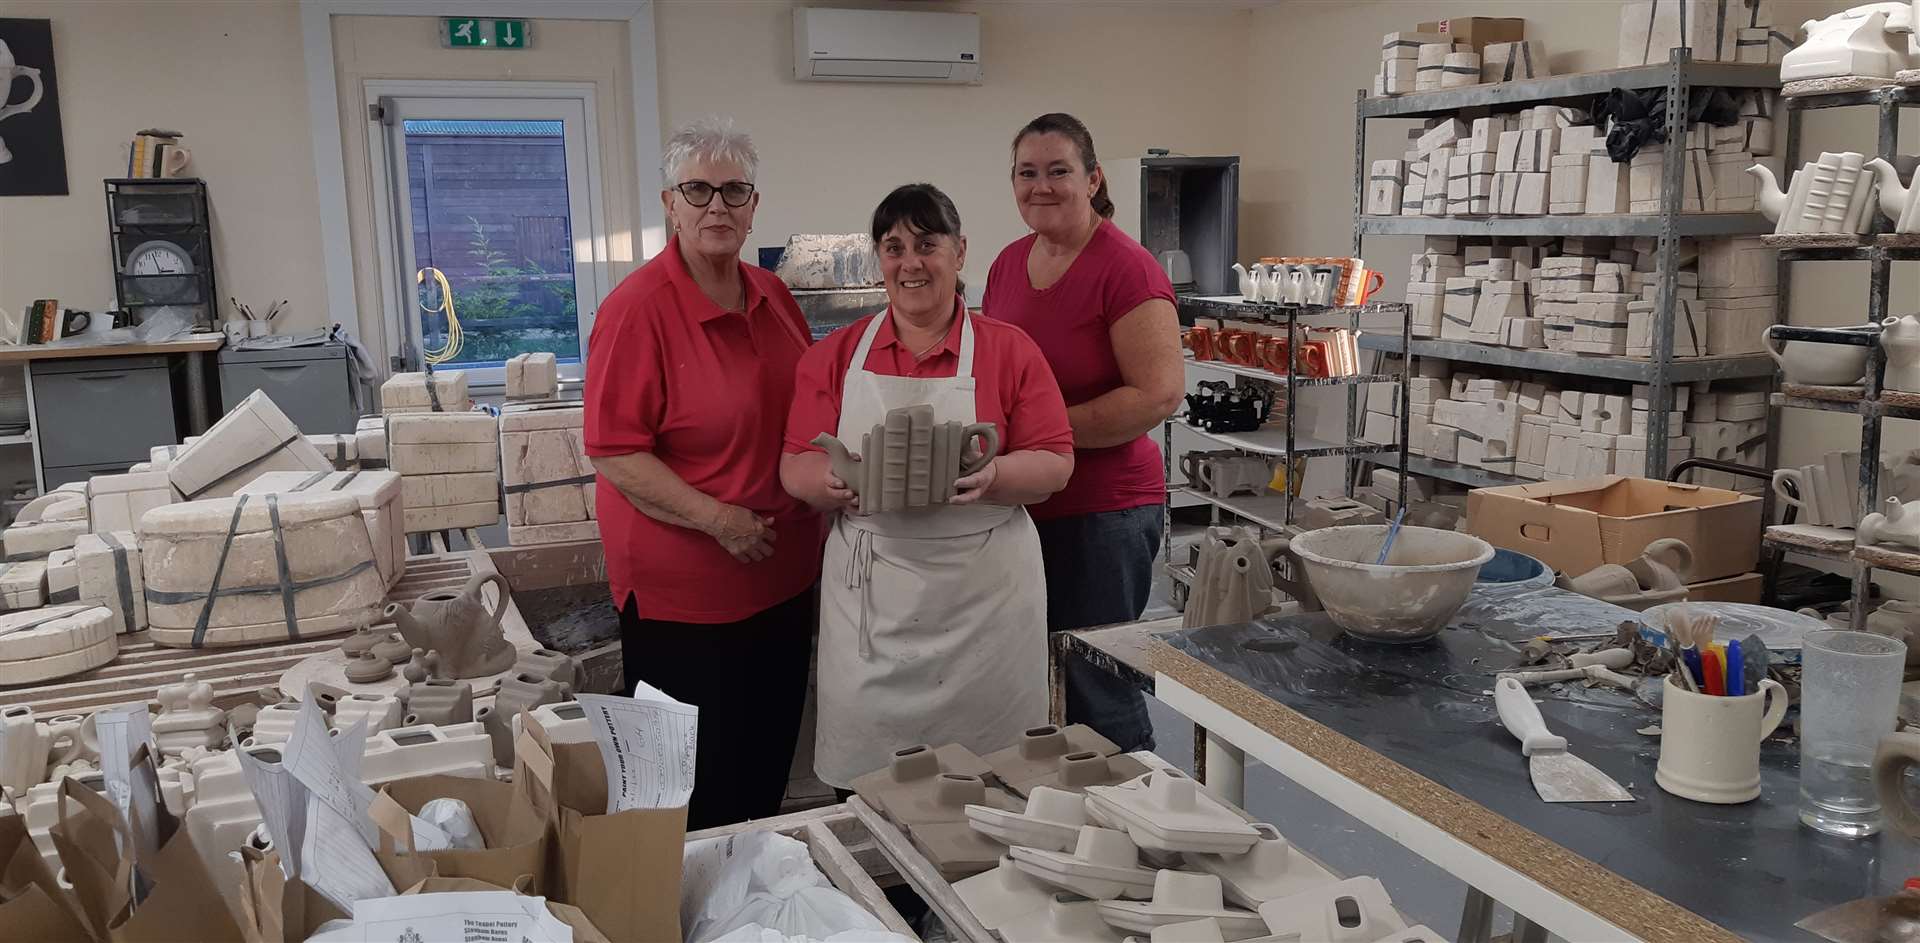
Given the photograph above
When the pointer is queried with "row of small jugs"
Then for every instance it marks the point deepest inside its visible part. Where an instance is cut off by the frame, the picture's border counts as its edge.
(1281, 283)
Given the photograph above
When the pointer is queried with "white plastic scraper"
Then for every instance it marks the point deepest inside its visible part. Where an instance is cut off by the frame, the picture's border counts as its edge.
(1558, 776)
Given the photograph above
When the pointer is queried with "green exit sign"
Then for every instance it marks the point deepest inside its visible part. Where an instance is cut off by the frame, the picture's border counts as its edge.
(476, 33)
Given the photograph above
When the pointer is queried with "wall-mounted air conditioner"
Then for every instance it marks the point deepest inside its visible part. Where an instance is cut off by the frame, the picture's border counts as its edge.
(832, 45)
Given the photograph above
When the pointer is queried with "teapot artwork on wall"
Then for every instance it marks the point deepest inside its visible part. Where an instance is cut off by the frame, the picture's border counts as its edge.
(33, 159)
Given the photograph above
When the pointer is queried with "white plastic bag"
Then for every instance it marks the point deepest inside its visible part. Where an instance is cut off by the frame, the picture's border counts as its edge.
(769, 880)
(446, 823)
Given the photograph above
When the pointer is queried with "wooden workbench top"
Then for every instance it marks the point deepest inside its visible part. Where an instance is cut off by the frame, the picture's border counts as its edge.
(196, 343)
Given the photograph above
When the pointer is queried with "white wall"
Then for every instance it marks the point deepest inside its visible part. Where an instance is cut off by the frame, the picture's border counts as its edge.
(1139, 74)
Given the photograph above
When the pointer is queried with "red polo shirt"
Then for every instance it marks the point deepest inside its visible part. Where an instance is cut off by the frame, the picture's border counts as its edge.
(706, 392)
(1013, 389)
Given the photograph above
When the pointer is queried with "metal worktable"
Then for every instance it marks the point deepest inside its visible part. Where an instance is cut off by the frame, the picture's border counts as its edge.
(1406, 739)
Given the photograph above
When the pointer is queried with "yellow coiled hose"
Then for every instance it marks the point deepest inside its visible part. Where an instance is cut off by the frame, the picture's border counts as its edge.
(452, 348)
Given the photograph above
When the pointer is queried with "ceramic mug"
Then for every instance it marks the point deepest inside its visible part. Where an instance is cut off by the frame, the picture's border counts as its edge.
(1237, 346)
(1710, 746)
(236, 330)
(1370, 282)
(1313, 359)
(1274, 357)
(1200, 341)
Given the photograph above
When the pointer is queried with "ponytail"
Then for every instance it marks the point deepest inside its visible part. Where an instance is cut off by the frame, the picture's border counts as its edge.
(1073, 129)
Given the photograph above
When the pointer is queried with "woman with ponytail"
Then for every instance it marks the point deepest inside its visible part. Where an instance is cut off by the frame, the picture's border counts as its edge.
(1102, 312)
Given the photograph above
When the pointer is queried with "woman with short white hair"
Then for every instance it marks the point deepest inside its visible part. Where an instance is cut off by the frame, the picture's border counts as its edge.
(712, 564)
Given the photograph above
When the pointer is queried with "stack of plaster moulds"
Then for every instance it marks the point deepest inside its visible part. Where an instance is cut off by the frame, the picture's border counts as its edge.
(1593, 295)
(38, 641)
(1540, 431)
(548, 482)
(447, 457)
(1548, 160)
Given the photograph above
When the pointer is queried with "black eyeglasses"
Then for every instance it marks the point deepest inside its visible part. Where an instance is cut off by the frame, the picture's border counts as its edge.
(700, 192)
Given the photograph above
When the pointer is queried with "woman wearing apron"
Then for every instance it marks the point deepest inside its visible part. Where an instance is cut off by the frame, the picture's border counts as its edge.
(929, 618)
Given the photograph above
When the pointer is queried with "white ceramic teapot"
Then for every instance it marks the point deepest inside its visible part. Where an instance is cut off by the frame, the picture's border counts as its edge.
(1816, 364)
(1900, 338)
(1898, 203)
(1258, 279)
(1249, 290)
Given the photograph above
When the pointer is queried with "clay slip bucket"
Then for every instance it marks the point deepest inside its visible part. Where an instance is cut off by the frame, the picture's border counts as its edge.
(1423, 583)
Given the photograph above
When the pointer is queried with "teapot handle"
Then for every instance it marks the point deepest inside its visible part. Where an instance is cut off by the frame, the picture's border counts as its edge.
(500, 583)
(1766, 344)
(989, 445)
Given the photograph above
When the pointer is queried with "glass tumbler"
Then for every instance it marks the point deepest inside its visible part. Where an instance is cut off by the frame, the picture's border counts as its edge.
(1849, 696)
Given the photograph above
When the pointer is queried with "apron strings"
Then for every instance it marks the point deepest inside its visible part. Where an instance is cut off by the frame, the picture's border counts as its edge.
(860, 577)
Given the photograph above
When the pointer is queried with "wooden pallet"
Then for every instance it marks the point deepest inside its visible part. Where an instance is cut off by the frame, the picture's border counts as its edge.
(238, 673)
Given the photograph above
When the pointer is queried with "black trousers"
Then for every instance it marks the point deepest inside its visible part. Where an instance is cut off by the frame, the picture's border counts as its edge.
(749, 679)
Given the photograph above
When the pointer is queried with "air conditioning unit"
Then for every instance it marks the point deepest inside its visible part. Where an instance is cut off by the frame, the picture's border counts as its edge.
(885, 46)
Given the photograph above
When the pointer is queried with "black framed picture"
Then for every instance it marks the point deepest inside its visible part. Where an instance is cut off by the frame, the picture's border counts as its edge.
(33, 158)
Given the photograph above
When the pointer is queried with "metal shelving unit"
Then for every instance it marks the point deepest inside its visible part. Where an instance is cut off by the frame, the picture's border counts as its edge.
(1678, 77)
(1867, 401)
(1275, 512)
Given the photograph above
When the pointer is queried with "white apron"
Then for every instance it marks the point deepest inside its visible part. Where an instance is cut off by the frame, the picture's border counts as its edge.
(932, 621)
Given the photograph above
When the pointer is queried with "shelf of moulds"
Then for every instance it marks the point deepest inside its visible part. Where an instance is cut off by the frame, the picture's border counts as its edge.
(1267, 510)
(1611, 224)
(1594, 365)
(1579, 86)
(1889, 557)
(1272, 440)
(1469, 475)
(1257, 373)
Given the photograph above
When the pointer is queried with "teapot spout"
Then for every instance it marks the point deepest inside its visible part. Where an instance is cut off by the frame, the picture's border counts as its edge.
(410, 629)
(1893, 196)
(1773, 202)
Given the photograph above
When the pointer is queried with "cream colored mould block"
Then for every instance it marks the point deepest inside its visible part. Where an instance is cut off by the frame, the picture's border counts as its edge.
(252, 438)
(452, 517)
(533, 376)
(370, 440)
(342, 449)
(453, 458)
(544, 468)
(426, 491)
(247, 569)
(378, 493)
(23, 585)
(36, 540)
(108, 573)
(42, 644)
(160, 456)
(409, 393)
(63, 578)
(116, 502)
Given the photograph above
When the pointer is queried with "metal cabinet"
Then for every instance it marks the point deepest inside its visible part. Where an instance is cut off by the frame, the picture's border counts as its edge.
(95, 415)
(310, 384)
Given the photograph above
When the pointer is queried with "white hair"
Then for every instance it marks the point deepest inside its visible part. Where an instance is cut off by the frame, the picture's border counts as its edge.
(713, 138)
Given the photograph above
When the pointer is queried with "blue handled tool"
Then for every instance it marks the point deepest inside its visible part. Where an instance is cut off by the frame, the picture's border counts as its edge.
(1393, 530)
(1692, 658)
(1736, 670)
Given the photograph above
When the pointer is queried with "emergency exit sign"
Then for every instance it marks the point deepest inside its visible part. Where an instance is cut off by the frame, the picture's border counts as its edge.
(476, 33)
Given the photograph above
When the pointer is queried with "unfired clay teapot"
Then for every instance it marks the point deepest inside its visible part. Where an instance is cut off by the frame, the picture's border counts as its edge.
(459, 628)
(1816, 364)
(1898, 524)
(1900, 338)
(1900, 204)
(899, 469)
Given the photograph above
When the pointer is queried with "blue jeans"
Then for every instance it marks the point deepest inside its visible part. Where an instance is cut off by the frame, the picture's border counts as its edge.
(1100, 571)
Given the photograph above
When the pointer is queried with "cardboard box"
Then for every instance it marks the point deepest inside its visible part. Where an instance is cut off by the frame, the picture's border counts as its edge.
(1742, 588)
(1575, 526)
(621, 868)
(1478, 31)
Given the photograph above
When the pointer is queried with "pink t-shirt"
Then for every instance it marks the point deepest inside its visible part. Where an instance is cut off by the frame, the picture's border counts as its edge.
(1071, 321)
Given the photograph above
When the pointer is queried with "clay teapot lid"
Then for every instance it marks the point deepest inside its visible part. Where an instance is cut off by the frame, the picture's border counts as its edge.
(955, 789)
(914, 762)
(1043, 742)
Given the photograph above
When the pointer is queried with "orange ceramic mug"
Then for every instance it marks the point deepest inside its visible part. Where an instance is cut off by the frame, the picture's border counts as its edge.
(1274, 356)
(1370, 282)
(1239, 347)
(1313, 359)
(1200, 341)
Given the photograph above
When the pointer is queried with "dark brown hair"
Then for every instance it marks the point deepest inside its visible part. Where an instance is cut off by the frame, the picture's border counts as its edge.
(921, 206)
(1074, 130)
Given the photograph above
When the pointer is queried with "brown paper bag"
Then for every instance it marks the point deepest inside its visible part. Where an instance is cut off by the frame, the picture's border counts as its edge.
(622, 869)
(33, 908)
(181, 901)
(281, 911)
(515, 832)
